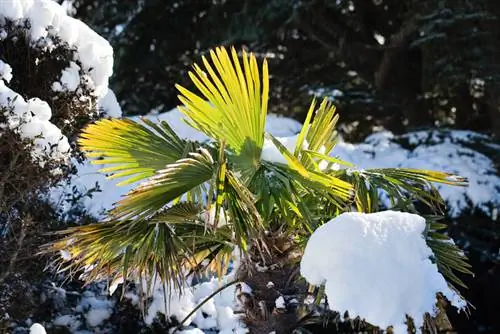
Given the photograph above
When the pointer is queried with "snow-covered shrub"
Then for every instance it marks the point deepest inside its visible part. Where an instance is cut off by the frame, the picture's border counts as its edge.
(54, 73)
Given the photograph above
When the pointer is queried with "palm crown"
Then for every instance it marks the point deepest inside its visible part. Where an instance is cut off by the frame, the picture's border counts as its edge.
(199, 201)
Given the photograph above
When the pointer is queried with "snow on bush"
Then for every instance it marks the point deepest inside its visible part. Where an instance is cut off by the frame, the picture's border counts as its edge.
(60, 47)
(54, 73)
(30, 119)
(48, 19)
(379, 268)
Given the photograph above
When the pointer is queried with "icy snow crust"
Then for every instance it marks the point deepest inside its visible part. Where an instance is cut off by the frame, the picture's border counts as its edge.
(378, 268)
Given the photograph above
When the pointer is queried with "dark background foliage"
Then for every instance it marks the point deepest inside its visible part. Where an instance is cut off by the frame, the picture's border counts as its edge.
(423, 75)
(438, 67)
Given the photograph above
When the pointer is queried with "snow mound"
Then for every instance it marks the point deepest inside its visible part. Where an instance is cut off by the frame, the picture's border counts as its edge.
(31, 120)
(378, 267)
(5, 72)
(47, 19)
(217, 313)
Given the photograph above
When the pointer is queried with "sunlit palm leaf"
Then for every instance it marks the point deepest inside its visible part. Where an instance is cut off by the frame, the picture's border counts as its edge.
(135, 150)
(167, 185)
(314, 178)
(233, 105)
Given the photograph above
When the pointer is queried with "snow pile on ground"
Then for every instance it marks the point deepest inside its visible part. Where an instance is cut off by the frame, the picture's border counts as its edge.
(31, 120)
(218, 313)
(378, 268)
(94, 309)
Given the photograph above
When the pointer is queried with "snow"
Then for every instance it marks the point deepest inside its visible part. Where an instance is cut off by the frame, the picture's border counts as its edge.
(36, 328)
(218, 312)
(93, 61)
(271, 153)
(47, 18)
(372, 259)
(280, 302)
(30, 119)
(70, 79)
(95, 317)
(68, 320)
(109, 105)
(96, 308)
(5, 71)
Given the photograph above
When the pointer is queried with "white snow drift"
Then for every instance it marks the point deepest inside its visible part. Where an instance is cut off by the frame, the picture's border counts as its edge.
(376, 266)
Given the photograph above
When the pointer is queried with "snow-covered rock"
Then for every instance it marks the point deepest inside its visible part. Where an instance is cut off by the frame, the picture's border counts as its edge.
(376, 266)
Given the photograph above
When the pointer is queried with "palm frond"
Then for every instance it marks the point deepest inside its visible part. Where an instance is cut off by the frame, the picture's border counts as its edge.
(318, 136)
(321, 134)
(233, 105)
(136, 150)
(184, 176)
(247, 220)
(448, 257)
(171, 244)
(402, 187)
(313, 178)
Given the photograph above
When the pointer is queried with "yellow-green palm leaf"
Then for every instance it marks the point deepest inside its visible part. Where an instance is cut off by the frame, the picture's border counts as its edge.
(135, 150)
(233, 102)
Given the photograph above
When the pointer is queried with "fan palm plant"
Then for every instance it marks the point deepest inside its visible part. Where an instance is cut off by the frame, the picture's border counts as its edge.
(198, 202)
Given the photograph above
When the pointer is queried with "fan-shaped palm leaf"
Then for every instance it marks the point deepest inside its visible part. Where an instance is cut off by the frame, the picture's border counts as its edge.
(234, 103)
(170, 244)
(135, 150)
(184, 176)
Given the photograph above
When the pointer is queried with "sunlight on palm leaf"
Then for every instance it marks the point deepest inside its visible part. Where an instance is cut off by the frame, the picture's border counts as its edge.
(235, 104)
(134, 149)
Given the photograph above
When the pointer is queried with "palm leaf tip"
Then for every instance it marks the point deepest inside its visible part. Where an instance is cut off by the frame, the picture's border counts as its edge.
(232, 100)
